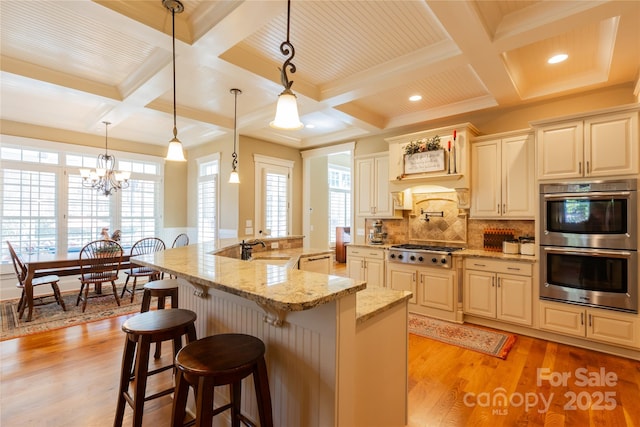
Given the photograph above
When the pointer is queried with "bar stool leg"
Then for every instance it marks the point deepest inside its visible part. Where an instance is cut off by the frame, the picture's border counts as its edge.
(158, 352)
(140, 380)
(204, 403)
(235, 390)
(127, 362)
(261, 383)
(180, 395)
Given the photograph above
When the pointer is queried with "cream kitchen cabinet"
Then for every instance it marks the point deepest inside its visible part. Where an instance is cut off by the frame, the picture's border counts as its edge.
(434, 291)
(502, 177)
(373, 198)
(499, 290)
(366, 264)
(599, 325)
(596, 146)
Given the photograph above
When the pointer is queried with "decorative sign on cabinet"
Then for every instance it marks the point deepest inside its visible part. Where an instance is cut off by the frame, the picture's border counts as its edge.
(456, 176)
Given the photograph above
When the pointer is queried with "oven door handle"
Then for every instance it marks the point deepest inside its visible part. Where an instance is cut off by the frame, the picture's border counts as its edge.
(590, 252)
(581, 196)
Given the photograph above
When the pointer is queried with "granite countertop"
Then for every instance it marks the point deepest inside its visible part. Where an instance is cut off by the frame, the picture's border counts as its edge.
(372, 301)
(283, 289)
(480, 253)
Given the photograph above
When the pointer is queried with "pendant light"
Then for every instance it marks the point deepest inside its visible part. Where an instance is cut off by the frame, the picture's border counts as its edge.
(175, 151)
(287, 108)
(234, 178)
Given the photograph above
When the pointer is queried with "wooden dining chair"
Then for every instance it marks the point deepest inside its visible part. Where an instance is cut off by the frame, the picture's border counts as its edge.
(143, 246)
(100, 263)
(180, 240)
(21, 274)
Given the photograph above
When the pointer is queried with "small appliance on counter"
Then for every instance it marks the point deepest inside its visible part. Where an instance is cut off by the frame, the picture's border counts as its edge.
(527, 245)
(376, 236)
(511, 246)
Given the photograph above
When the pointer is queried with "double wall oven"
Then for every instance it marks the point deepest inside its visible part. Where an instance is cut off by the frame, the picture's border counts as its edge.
(589, 243)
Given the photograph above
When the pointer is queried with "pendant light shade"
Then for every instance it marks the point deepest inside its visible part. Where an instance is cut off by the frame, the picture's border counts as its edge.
(175, 151)
(234, 178)
(287, 112)
(287, 108)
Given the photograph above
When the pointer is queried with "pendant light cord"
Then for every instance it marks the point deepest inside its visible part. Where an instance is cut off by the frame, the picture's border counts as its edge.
(173, 32)
(106, 136)
(236, 92)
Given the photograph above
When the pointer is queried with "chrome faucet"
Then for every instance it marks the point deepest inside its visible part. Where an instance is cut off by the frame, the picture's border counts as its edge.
(247, 247)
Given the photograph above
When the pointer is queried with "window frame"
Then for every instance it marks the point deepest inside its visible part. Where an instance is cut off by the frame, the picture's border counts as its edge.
(263, 164)
(200, 161)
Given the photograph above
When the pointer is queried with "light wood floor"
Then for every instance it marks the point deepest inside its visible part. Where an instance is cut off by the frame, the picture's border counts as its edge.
(69, 377)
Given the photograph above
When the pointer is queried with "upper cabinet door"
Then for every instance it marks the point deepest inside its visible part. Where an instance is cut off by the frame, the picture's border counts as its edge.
(560, 151)
(373, 198)
(502, 184)
(604, 145)
(611, 145)
(384, 201)
(518, 177)
(485, 179)
(364, 190)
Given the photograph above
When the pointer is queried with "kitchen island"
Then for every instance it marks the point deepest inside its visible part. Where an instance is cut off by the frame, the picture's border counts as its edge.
(336, 352)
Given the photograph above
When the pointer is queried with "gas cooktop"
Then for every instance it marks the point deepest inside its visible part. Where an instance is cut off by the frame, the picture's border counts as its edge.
(430, 248)
(427, 255)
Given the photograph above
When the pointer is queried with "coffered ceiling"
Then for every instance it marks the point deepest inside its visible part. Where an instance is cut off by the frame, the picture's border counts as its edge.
(73, 64)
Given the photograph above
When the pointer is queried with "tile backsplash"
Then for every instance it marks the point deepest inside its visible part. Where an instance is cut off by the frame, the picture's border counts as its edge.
(447, 225)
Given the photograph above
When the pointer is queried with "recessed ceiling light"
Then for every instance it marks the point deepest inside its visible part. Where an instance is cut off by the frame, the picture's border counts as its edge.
(310, 126)
(415, 98)
(557, 58)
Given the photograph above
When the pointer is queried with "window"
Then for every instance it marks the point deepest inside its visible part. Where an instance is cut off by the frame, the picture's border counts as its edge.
(273, 194)
(45, 206)
(87, 214)
(208, 173)
(29, 219)
(339, 199)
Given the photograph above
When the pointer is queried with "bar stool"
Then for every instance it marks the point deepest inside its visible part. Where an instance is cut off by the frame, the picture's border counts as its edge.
(142, 330)
(160, 289)
(220, 360)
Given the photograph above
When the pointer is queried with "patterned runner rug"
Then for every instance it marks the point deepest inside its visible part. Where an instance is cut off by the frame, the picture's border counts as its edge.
(493, 343)
(50, 315)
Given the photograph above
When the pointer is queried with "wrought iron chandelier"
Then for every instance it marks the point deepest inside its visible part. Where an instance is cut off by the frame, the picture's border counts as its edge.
(234, 178)
(104, 178)
(287, 108)
(175, 151)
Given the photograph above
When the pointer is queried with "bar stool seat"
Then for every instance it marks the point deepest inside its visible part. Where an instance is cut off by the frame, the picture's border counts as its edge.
(142, 330)
(217, 360)
(161, 289)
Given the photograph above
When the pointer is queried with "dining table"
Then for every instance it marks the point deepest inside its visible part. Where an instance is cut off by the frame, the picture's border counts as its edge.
(61, 264)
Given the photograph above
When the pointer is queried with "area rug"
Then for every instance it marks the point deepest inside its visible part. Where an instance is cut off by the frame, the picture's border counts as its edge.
(50, 315)
(493, 343)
